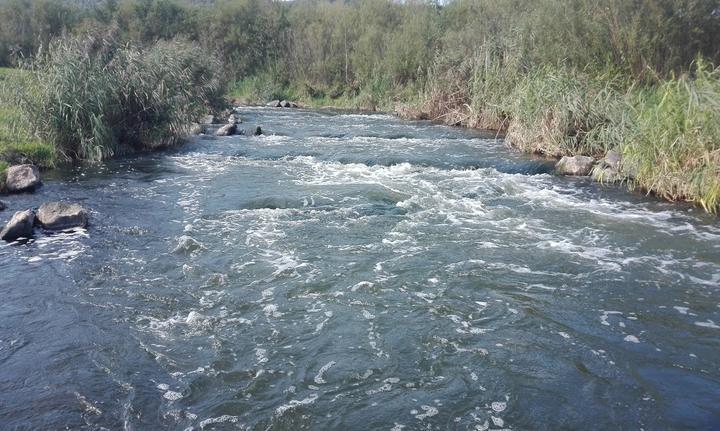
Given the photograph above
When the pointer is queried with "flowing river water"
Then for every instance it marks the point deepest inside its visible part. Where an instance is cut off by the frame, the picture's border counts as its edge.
(358, 272)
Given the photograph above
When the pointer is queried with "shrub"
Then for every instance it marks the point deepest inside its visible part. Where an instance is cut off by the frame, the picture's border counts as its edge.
(93, 97)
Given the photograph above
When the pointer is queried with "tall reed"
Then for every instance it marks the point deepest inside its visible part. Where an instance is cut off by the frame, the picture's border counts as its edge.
(92, 96)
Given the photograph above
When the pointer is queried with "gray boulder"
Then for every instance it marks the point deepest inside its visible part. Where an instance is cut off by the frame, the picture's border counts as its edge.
(61, 215)
(576, 165)
(21, 178)
(274, 104)
(227, 130)
(208, 119)
(188, 244)
(285, 104)
(19, 226)
(293, 105)
(251, 131)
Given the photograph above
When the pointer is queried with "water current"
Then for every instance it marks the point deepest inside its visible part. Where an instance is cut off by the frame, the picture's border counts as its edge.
(354, 271)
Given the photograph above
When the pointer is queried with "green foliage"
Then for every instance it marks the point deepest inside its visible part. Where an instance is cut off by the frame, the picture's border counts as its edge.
(246, 33)
(93, 97)
(3, 174)
(673, 144)
(17, 145)
(260, 88)
(560, 76)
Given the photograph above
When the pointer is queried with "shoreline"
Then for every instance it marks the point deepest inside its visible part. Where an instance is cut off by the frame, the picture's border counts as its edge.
(616, 178)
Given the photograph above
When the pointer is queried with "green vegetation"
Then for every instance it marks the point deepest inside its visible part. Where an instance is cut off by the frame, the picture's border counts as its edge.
(93, 97)
(17, 145)
(561, 77)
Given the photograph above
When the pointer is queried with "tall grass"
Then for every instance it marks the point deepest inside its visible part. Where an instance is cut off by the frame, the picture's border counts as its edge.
(93, 97)
(17, 144)
(673, 145)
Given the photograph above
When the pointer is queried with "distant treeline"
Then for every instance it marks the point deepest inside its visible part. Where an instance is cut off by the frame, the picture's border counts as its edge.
(334, 45)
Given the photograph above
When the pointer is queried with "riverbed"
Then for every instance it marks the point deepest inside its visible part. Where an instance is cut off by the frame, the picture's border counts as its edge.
(354, 271)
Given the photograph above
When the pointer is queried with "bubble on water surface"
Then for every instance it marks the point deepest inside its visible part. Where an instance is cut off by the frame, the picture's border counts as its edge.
(293, 404)
(498, 406)
(319, 378)
(430, 411)
(708, 324)
(631, 339)
(172, 395)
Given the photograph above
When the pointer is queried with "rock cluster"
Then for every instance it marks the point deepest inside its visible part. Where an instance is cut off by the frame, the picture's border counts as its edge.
(50, 216)
(230, 128)
(281, 104)
(609, 169)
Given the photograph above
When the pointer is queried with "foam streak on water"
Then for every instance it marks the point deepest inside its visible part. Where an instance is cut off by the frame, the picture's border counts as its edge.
(357, 272)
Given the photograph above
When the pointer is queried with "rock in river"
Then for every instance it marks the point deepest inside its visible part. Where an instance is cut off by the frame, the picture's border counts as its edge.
(252, 131)
(274, 104)
(577, 165)
(2, 206)
(61, 215)
(187, 244)
(21, 178)
(227, 130)
(19, 226)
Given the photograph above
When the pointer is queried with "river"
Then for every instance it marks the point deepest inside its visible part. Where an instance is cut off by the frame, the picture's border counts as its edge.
(358, 272)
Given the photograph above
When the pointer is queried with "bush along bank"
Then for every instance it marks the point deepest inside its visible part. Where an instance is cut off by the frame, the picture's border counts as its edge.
(92, 96)
(662, 138)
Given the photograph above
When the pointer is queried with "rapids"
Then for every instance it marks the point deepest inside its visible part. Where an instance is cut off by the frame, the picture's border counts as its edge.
(358, 272)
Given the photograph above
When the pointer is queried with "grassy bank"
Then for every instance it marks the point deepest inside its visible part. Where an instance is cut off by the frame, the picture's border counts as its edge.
(17, 144)
(92, 96)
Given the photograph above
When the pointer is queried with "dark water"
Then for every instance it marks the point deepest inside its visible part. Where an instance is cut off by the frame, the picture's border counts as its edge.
(357, 272)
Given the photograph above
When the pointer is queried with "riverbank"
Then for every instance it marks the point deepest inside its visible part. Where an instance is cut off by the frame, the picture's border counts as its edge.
(17, 145)
(665, 135)
(664, 138)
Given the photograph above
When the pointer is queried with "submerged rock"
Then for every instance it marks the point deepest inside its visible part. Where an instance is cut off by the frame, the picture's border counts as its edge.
(253, 131)
(227, 130)
(21, 178)
(2, 206)
(187, 244)
(61, 215)
(576, 165)
(19, 226)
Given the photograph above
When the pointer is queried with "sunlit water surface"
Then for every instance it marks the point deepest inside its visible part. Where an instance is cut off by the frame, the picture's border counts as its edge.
(358, 272)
